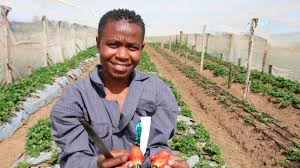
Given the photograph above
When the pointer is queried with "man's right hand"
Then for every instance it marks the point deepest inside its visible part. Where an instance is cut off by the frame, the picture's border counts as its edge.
(120, 159)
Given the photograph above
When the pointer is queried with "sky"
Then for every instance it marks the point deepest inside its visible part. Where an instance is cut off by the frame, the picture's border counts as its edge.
(170, 17)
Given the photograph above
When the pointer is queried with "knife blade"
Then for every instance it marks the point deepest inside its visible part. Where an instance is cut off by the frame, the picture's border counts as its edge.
(95, 138)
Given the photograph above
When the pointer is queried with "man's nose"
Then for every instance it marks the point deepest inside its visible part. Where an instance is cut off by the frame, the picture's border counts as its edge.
(122, 53)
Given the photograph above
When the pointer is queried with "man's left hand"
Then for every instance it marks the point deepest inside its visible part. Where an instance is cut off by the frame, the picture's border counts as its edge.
(176, 162)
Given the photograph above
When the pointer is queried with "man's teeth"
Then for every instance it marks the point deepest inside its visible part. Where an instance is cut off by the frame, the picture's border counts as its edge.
(120, 64)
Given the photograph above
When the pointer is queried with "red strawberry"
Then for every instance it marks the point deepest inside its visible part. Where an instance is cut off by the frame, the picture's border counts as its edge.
(160, 159)
(136, 156)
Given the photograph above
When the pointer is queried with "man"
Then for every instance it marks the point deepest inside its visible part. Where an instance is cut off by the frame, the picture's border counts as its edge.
(113, 99)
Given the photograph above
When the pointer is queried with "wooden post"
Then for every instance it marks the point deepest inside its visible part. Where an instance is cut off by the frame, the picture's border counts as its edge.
(250, 52)
(206, 44)
(45, 40)
(186, 40)
(196, 38)
(161, 45)
(265, 56)
(4, 10)
(180, 37)
(230, 77)
(170, 43)
(230, 45)
(202, 51)
(221, 56)
(239, 61)
(270, 69)
(180, 40)
(248, 89)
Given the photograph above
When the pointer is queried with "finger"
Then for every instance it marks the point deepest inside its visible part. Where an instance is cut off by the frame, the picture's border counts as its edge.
(174, 157)
(115, 161)
(100, 158)
(130, 165)
(119, 152)
(178, 163)
(126, 165)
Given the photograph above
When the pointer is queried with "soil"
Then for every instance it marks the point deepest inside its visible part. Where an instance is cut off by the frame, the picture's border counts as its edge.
(288, 117)
(13, 147)
(241, 144)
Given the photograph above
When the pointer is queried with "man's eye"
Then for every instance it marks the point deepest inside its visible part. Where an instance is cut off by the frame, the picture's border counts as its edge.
(113, 45)
(132, 48)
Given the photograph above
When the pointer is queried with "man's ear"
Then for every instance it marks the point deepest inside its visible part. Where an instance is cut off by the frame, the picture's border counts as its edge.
(143, 46)
(98, 40)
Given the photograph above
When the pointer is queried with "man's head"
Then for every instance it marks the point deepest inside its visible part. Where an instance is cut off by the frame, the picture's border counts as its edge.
(120, 42)
(121, 14)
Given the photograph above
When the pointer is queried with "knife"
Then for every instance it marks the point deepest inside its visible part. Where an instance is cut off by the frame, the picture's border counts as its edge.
(95, 138)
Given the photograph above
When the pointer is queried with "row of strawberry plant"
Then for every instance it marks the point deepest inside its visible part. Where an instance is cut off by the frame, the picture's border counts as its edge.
(285, 98)
(266, 78)
(39, 139)
(292, 152)
(191, 73)
(13, 94)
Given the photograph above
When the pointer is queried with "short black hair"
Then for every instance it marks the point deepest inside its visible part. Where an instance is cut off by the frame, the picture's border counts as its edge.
(119, 14)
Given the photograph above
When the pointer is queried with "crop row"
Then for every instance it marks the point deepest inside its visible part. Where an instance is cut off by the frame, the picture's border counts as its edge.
(224, 97)
(13, 94)
(266, 78)
(283, 90)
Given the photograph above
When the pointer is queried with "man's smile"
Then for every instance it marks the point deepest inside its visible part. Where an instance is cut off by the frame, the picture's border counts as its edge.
(120, 67)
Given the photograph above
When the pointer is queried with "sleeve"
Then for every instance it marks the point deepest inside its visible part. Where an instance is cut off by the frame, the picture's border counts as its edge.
(164, 119)
(68, 133)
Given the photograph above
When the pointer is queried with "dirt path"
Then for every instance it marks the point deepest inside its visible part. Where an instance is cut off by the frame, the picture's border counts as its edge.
(13, 147)
(241, 145)
(289, 117)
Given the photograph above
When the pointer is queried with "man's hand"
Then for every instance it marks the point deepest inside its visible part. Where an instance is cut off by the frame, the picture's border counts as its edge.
(176, 162)
(163, 159)
(120, 159)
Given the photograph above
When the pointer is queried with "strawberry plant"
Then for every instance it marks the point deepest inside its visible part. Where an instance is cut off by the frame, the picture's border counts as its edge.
(38, 138)
(185, 111)
(293, 152)
(181, 126)
(200, 133)
(23, 164)
(13, 94)
(186, 144)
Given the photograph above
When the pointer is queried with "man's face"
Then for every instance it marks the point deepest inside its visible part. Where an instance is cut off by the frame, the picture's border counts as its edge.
(120, 47)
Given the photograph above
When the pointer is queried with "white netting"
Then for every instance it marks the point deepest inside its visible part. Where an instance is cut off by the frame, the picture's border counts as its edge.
(67, 39)
(29, 46)
(54, 43)
(235, 46)
(26, 50)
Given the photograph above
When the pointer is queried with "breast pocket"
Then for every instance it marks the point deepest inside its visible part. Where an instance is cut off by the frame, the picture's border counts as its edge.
(145, 108)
